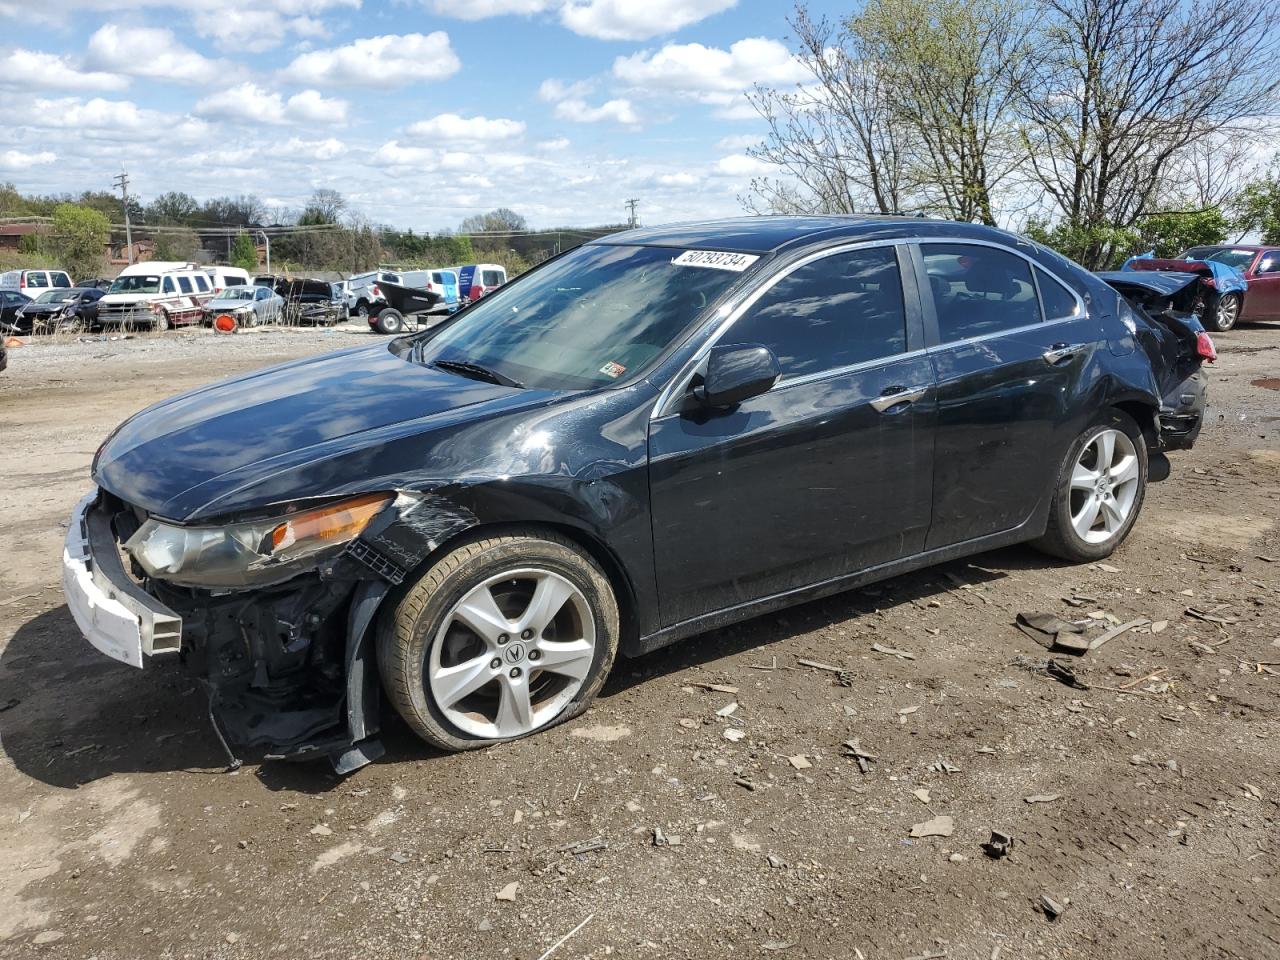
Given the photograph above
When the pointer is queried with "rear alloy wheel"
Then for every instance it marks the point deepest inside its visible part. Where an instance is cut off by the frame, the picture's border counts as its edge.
(1100, 491)
(501, 638)
(1223, 317)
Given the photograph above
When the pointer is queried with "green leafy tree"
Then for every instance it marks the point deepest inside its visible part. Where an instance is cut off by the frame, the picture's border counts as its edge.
(181, 244)
(79, 236)
(173, 207)
(1257, 206)
(1172, 232)
(244, 253)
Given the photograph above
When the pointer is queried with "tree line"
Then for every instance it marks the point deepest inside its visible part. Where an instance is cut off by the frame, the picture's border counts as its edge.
(1099, 127)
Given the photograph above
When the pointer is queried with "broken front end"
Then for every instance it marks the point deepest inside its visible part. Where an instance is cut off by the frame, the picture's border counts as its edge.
(272, 614)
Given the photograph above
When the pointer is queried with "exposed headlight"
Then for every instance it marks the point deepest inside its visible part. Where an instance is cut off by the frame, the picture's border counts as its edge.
(252, 553)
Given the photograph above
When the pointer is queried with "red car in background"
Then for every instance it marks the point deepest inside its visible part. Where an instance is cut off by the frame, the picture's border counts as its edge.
(1261, 268)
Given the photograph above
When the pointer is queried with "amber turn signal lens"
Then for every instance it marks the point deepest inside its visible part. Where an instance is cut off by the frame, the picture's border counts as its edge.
(335, 523)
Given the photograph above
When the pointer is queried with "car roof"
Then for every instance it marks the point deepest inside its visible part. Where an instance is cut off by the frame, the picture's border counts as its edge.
(768, 234)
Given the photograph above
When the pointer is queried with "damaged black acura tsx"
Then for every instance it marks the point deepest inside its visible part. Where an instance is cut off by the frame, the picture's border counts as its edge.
(649, 436)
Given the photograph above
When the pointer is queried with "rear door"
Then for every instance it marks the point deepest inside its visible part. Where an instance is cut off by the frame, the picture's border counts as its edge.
(823, 475)
(1009, 376)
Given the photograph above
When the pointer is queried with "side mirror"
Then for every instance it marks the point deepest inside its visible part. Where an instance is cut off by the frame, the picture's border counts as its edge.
(737, 372)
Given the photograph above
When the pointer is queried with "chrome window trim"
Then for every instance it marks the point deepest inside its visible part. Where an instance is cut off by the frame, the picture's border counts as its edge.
(1081, 310)
(1025, 328)
(850, 368)
(735, 311)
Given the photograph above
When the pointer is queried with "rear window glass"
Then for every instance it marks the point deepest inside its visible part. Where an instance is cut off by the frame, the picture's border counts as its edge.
(184, 284)
(233, 281)
(978, 291)
(37, 278)
(60, 280)
(1057, 299)
(491, 278)
(168, 285)
(202, 282)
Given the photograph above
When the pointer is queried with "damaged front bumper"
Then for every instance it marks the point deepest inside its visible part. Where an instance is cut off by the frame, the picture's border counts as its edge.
(289, 666)
(115, 615)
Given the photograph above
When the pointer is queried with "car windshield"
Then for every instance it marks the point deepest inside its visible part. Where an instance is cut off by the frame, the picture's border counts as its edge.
(56, 296)
(1232, 258)
(237, 293)
(583, 321)
(135, 284)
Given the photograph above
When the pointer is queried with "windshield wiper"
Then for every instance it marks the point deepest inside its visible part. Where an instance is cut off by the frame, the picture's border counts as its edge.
(476, 372)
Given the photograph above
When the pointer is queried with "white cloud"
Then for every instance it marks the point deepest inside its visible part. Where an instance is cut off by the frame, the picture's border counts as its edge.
(739, 165)
(327, 149)
(17, 160)
(739, 143)
(249, 102)
(35, 70)
(618, 111)
(555, 145)
(379, 62)
(482, 9)
(709, 73)
(553, 90)
(153, 53)
(451, 126)
(393, 154)
(99, 119)
(243, 30)
(636, 19)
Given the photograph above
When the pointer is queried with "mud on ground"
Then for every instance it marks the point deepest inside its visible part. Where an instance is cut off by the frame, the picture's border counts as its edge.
(122, 838)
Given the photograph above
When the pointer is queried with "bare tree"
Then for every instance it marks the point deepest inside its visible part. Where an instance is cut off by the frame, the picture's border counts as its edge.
(952, 70)
(1124, 88)
(836, 141)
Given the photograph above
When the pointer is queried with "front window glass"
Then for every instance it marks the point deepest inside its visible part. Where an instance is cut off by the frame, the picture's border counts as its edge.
(138, 283)
(831, 313)
(168, 285)
(1240, 259)
(242, 293)
(583, 321)
(979, 291)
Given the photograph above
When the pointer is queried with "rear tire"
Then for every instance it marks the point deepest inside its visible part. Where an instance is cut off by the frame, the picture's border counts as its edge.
(439, 672)
(362, 310)
(1099, 491)
(1223, 315)
(389, 321)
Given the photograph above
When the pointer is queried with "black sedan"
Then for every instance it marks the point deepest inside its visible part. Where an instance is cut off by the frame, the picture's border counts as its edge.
(11, 301)
(69, 310)
(652, 435)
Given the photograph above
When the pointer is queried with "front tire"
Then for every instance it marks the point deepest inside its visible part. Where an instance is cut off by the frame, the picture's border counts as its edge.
(1099, 491)
(162, 322)
(500, 638)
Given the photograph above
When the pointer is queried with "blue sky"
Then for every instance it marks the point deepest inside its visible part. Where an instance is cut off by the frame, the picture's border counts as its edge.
(419, 111)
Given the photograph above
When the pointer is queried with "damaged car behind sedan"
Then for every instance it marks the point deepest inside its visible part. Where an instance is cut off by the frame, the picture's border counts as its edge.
(647, 437)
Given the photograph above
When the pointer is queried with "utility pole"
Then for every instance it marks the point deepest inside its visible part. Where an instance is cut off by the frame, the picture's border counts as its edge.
(122, 182)
(267, 241)
(633, 219)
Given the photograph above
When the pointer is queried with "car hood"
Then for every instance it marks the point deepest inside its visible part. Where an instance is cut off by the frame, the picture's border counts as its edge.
(34, 307)
(217, 304)
(203, 453)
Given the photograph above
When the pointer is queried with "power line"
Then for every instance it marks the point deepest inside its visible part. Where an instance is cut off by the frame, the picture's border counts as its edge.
(633, 218)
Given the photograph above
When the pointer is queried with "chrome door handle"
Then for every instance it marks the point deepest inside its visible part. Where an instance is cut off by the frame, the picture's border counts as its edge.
(1061, 351)
(896, 396)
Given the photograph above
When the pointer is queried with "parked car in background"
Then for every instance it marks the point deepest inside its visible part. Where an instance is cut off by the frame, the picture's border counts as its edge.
(34, 282)
(658, 433)
(223, 277)
(1260, 265)
(307, 300)
(67, 311)
(248, 305)
(362, 295)
(157, 294)
(10, 302)
(477, 279)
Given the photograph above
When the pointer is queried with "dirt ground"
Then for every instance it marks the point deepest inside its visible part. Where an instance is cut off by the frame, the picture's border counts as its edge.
(1150, 817)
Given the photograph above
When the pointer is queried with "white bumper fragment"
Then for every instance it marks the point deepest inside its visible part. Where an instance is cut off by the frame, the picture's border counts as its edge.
(112, 612)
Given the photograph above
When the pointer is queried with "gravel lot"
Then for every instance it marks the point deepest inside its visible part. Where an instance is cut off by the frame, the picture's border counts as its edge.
(1149, 817)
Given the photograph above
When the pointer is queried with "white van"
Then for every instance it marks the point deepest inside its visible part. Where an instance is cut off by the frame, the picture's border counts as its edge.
(35, 282)
(224, 277)
(158, 294)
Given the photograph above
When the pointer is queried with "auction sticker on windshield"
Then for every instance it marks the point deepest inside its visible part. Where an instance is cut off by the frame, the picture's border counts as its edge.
(715, 260)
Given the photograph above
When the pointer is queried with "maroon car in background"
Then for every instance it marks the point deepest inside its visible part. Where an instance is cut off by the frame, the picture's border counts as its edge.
(1261, 268)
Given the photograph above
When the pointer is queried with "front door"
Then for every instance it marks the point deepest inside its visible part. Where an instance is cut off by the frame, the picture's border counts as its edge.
(825, 474)
(1008, 406)
(1262, 300)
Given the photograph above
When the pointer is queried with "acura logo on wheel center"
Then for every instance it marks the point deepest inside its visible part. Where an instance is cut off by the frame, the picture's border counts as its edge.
(514, 653)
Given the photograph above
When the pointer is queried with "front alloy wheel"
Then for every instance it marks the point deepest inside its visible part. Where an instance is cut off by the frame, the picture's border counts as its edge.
(500, 638)
(1227, 312)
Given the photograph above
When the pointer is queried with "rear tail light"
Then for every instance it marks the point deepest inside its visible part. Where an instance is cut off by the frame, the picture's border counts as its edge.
(375, 291)
(1204, 347)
